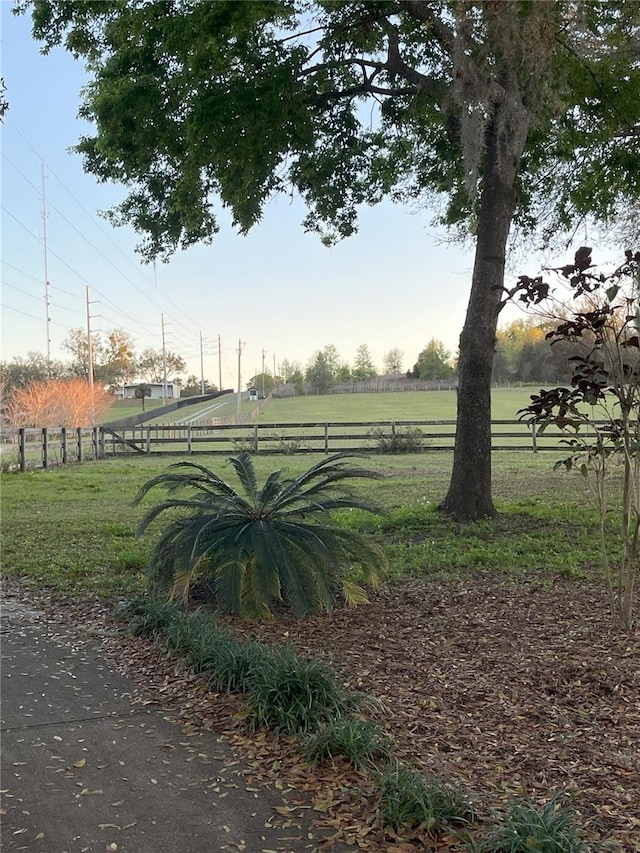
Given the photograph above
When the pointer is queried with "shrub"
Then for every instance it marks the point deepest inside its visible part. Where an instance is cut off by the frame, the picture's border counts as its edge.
(409, 440)
(408, 800)
(266, 545)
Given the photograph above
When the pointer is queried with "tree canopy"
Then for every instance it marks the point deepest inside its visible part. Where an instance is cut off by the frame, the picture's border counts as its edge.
(433, 362)
(499, 112)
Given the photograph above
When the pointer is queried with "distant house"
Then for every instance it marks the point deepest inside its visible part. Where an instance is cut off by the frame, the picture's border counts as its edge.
(158, 391)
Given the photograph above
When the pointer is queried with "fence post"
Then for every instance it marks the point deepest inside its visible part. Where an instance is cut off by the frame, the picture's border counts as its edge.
(255, 438)
(534, 441)
(94, 442)
(63, 446)
(148, 439)
(326, 438)
(189, 447)
(79, 434)
(102, 442)
(22, 448)
(45, 447)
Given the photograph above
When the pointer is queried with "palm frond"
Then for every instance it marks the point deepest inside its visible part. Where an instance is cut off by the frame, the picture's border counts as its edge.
(242, 464)
(172, 481)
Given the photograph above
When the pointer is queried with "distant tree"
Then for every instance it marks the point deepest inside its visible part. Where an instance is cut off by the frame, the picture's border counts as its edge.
(363, 366)
(193, 386)
(433, 362)
(35, 367)
(292, 374)
(262, 382)
(392, 361)
(333, 360)
(143, 390)
(319, 376)
(288, 369)
(150, 365)
(57, 402)
(524, 353)
(344, 374)
(113, 356)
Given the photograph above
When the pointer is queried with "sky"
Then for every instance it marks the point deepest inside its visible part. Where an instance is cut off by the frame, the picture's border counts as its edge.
(396, 284)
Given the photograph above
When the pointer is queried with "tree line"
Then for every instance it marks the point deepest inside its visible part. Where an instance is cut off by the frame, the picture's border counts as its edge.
(114, 362)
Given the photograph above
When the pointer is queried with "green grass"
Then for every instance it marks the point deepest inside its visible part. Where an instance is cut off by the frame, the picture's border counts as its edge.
(122, 409)
(388, 406)
(73, 530)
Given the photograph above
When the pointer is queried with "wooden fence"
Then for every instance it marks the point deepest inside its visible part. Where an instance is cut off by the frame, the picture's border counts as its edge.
(42, 448)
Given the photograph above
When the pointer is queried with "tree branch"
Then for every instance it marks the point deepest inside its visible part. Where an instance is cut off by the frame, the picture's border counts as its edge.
(421, 10)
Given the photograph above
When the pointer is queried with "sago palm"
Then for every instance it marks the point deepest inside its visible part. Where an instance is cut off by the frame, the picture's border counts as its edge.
(259, 546)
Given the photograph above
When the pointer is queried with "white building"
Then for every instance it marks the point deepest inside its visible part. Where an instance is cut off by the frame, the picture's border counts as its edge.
(158, 390)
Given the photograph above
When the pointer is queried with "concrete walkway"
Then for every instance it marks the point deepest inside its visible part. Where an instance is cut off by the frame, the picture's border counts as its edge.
(85, 771)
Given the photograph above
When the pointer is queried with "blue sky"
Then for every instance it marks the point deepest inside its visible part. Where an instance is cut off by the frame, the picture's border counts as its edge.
(395, 284)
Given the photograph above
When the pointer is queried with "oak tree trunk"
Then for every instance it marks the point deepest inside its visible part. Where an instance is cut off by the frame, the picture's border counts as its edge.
(469, 496)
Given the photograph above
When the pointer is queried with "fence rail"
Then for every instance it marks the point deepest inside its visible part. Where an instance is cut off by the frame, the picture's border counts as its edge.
(43, 448)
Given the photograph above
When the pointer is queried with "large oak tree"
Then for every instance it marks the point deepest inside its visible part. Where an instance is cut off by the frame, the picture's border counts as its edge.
(505, 111)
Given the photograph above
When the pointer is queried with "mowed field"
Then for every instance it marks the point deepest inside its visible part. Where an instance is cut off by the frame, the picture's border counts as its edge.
(389, 406)
(384, 406)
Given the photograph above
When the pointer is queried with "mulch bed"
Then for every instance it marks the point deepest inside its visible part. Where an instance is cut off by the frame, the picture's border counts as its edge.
(505, 687)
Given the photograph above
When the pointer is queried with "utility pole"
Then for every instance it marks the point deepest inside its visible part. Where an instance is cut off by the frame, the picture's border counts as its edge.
(47, 302)
(89, 340)
(263, 355)
(201, 366)
(219, 364)
(239, 396)
(164, 363)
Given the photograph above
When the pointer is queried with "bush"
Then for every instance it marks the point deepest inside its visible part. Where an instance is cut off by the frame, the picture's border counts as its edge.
(361, 741)
(408, 800)
(260, 546)
(409, 440)
(527, 829)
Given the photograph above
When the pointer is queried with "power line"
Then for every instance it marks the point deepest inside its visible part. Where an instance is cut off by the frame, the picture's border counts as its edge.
(104, 232)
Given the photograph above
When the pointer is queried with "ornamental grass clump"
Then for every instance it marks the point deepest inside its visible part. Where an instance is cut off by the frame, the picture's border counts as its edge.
(259, 547)
(290, 695)
(409, 800)
(529, 829)
(361, 742)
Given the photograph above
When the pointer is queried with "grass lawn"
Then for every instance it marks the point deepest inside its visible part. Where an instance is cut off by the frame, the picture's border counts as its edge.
(122, 409)
(74, 529)
(388, 406)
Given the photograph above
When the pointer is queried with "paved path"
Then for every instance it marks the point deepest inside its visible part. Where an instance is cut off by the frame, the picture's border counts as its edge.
(85, 771)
